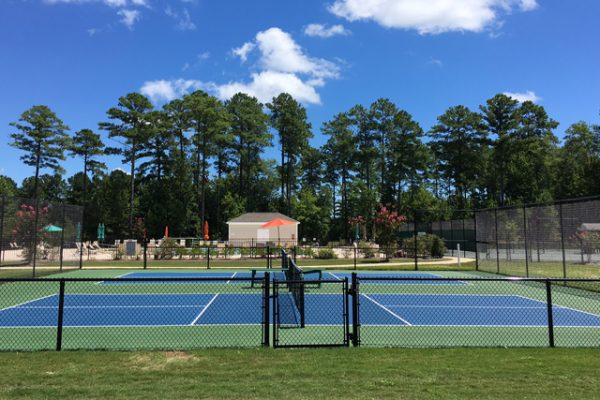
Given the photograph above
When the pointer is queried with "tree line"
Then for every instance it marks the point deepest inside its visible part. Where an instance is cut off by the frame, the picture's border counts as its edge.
(200, 159)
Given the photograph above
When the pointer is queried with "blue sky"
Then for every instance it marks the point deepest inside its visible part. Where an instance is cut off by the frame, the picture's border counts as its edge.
(79, 56)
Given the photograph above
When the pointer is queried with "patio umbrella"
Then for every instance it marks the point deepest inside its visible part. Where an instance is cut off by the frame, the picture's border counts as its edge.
(277, 222)
(206, 236)
(166, 231)
(53, 228)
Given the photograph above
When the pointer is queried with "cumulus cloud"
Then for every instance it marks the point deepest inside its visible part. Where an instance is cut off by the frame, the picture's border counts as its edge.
(281, 64)
(164, 90)
(243, 51)
(323, 31)
(522, 97)
(129, 17)
(429, 17)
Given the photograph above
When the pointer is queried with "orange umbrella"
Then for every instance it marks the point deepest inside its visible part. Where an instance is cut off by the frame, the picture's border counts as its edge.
(206, 237)
(167, 231)
(277, 222)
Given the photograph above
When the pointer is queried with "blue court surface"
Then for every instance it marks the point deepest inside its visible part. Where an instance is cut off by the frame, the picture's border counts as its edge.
(108, 310)
(339, 276)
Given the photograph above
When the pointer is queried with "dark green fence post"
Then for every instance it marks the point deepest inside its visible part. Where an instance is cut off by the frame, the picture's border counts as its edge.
(497, 248)
(562, 239)
(145, 248)
(476, 241)
(355, 251)
(208, 257)
(550, 316)
(526, 247)
(61, 310)
(266, 309)
(2, 229)
(268, 256)
(354, 292)
(35, 235)
(62, 238)
(415, 233)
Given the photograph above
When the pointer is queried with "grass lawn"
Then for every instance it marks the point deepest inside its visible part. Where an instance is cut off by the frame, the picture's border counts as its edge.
(304, 374)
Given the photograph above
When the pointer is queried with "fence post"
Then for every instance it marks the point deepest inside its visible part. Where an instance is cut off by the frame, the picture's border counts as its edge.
(550, 316)
(2, 229)
(526, 247)
(476, 241)
(452, 236)
(266, 310)
(61, 310)
(415, 233)
(62, 238)
(497, 249)
(268, 256)
(208, 257)
(562, 240)
(355, 251)
(35, 236)
(354, 292)
(464, 238)
(145, 247)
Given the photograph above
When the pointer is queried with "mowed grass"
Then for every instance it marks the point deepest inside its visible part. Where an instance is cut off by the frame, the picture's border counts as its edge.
(544, 269)
(304, 374)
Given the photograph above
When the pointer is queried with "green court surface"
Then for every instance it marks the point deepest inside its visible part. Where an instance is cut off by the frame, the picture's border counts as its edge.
(423, 312)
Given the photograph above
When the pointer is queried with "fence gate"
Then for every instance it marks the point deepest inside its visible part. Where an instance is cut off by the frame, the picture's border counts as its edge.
(311, 313)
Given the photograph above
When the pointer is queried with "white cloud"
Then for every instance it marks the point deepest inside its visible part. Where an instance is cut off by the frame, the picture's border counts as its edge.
(243, 51)
(283, 67)
(322, 31)
(268, 84)
(429, 17)
(522, 97)
(129, 17)
(435, 62)
(183, 18)
(163, 90)
(280, 53)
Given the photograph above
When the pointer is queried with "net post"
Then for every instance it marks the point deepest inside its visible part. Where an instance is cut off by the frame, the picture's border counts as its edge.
(550, 316)
(267, 312)
(61, 310)
(526, 247)
(354, 292)
(562, 239)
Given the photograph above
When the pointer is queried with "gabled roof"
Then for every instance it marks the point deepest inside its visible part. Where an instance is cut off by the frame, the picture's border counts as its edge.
(260, 217)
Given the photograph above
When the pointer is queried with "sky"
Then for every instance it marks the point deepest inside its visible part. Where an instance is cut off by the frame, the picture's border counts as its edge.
(79, 56)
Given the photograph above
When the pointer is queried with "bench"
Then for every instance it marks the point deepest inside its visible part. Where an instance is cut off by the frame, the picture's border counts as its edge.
(317, 271)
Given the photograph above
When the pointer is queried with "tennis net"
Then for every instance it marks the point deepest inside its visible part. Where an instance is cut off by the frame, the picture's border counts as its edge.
(295, 283)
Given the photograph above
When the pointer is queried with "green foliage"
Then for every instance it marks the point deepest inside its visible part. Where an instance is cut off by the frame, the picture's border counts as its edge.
(325, 254)
(427, 246)
(167, 249)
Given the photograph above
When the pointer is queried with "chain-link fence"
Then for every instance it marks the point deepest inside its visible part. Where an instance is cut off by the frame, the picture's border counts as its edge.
(39, 233)
(556, 240)
(151, 310)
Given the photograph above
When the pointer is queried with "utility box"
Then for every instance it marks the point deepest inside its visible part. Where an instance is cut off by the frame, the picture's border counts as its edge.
(130, 248)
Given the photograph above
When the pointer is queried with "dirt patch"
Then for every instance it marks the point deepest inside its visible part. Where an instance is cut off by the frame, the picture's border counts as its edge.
(159, 361)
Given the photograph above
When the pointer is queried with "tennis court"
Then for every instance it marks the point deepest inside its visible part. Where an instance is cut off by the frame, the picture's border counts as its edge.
(183, 309)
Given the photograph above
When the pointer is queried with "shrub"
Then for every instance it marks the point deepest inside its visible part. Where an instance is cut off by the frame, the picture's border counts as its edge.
(167, 249)
(325, 254)
(427, 246)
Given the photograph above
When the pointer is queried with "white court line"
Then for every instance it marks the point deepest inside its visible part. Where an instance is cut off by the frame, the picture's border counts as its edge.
(204, 310)
(232, 276)
(104, 307)
(483, 307)
(27, 302)
(388, 310)
(118, 276)
(554, 305)
(335, 276)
